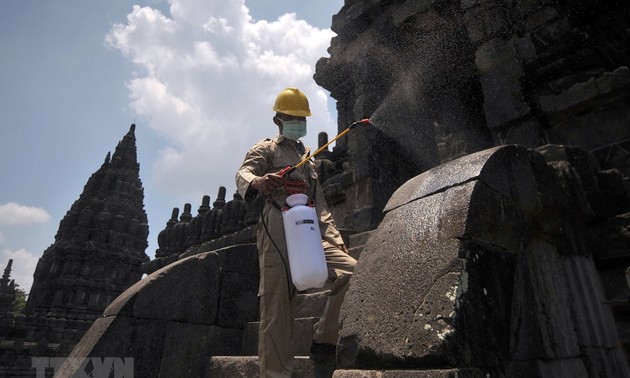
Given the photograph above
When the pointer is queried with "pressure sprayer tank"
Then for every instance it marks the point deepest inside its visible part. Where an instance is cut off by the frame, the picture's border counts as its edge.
(304, 244)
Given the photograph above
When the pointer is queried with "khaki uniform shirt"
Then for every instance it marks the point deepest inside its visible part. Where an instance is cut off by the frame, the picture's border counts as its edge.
(270, 156)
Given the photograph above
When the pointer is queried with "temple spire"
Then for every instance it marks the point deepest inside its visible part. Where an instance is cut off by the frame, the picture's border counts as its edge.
(98, 249)
(7, 273)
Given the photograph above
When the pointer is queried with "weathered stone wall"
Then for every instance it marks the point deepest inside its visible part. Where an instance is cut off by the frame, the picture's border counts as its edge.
(483, 265)
(441, 79)
(484, 262)
(174, 319)
(225, 224)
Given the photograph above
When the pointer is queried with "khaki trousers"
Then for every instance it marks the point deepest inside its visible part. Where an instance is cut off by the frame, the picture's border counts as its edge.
(277, 309)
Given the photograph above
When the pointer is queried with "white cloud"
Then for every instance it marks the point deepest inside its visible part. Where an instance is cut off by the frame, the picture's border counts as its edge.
(209, 76)
(14, 213)
(2, 238)
(23, 267)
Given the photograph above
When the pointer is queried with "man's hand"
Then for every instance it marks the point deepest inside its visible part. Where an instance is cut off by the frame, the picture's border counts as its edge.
(267, 184)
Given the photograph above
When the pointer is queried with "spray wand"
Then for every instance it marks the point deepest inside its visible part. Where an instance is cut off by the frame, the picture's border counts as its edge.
(288, 170)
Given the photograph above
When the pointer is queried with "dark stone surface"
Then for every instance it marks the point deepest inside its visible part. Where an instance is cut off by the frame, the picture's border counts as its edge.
(188, 359)
(121, 336)
(416, 319)
(186, 291)
(541, 368)
(542, 329)
(586, 294)
(491, 166)
(238, 299)
(248, 367)
(482, 261)
(174, 319)
(611, 186)
(438, 373)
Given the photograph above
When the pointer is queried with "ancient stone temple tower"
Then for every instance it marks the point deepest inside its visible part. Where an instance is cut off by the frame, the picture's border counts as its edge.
(7, 290)
(97, 252)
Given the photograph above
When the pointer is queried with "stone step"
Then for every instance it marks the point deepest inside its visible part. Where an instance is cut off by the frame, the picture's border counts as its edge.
(442, 373)
(247, 366)
(309, 307)
(236, 367)
(302, 338)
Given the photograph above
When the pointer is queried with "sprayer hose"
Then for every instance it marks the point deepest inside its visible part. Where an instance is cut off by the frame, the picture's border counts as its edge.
(286, 268)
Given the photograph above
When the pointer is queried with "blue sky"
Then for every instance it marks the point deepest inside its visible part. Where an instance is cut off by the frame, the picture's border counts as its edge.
(196, 76)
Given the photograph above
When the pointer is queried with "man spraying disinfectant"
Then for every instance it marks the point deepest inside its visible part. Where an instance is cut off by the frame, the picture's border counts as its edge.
(260, 174)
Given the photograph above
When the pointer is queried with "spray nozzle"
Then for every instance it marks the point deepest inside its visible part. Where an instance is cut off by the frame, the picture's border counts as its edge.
(363, 121)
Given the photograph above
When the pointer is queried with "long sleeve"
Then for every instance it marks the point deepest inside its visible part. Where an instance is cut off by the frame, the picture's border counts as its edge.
(255, 164)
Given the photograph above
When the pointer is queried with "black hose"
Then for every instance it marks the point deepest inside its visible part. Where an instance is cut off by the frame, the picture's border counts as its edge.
(286, 268)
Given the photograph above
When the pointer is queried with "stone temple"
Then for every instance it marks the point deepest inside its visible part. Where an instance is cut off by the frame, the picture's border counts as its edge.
(487, 203)
(97, 254)
(98, 249)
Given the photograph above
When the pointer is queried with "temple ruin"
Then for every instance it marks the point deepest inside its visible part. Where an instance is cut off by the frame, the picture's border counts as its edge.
(98, 252)
(488, 204)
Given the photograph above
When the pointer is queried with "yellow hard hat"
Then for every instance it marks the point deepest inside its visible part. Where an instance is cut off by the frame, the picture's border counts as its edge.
(293, 102)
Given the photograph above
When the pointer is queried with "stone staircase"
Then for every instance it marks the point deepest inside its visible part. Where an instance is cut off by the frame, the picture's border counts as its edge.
(247, 366)
(310, 304)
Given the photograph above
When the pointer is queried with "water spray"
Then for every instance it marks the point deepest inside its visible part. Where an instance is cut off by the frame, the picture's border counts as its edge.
(288, 170)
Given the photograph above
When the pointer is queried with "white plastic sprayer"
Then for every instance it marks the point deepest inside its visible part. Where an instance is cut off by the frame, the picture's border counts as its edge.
(304, 244)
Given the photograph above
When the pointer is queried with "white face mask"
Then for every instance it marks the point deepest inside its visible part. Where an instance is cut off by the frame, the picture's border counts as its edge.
(294, 129)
